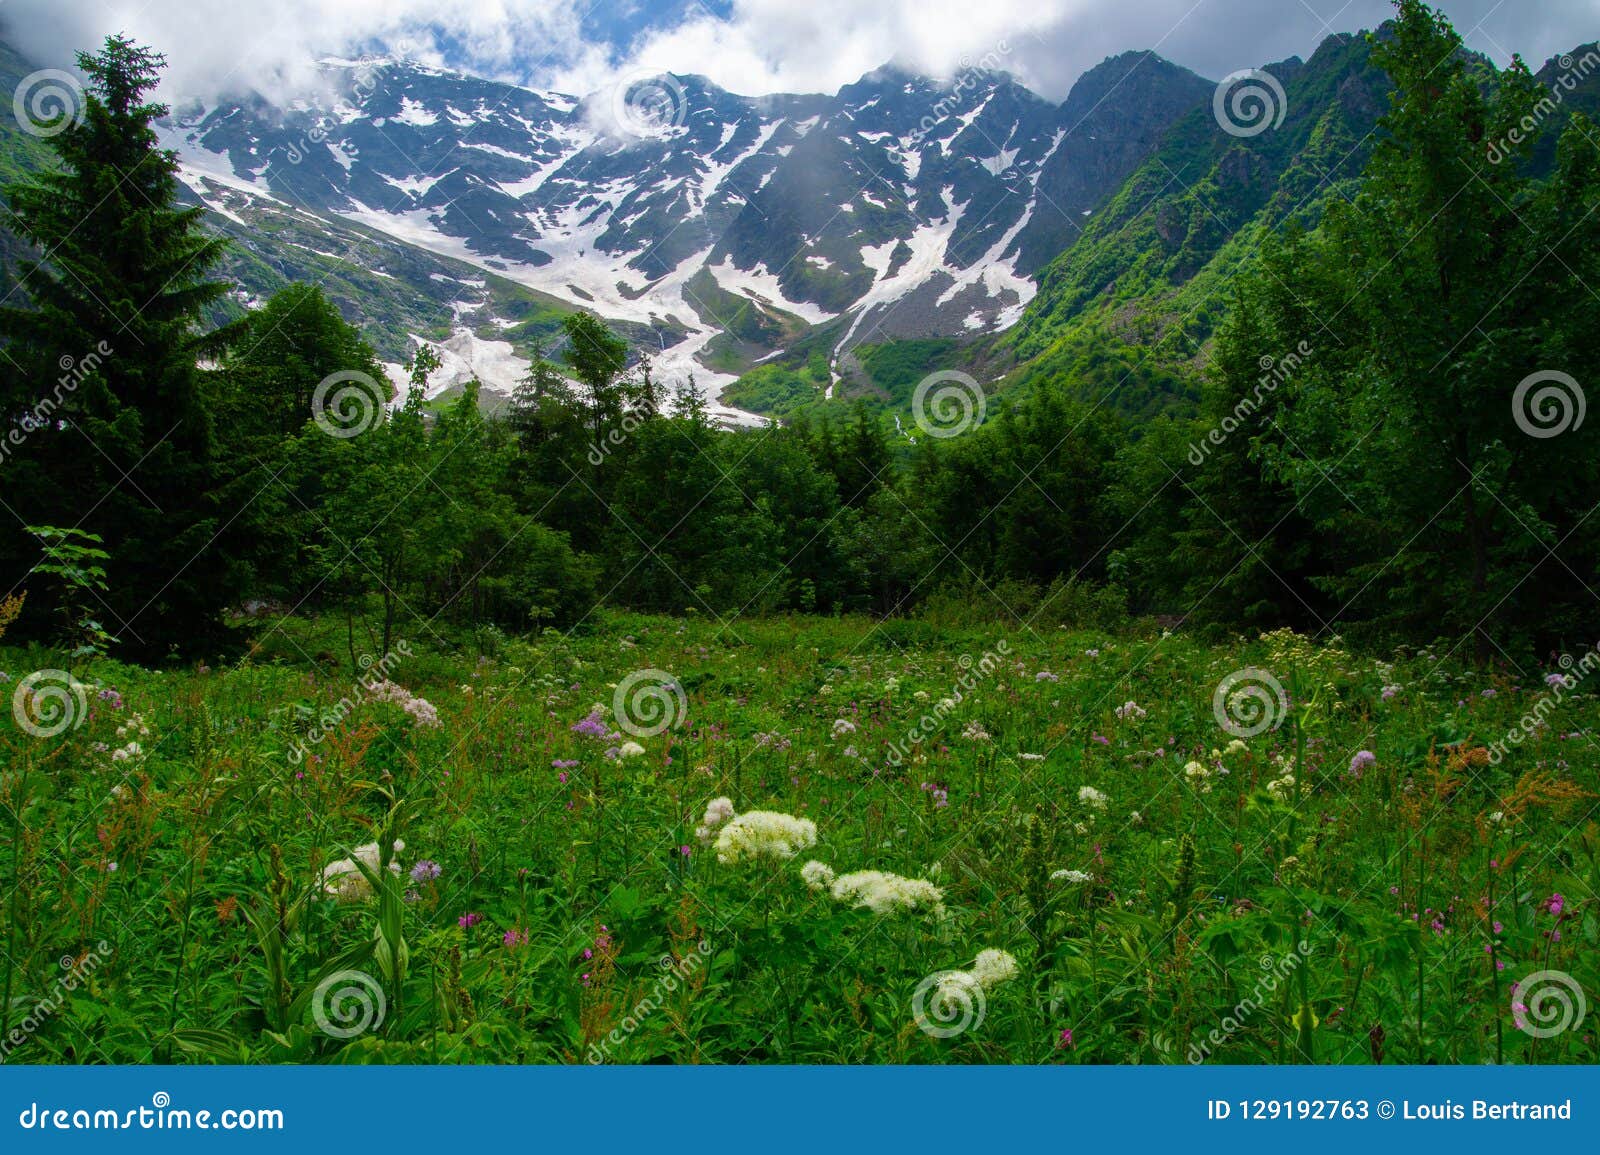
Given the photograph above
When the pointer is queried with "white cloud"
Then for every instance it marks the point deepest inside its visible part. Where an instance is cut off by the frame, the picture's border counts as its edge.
(236, 45)
(819, 45)
(764, 46)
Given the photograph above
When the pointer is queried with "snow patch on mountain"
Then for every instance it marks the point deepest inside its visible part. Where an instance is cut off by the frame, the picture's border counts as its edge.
(763, 286)
(929, 245)
(463, 357)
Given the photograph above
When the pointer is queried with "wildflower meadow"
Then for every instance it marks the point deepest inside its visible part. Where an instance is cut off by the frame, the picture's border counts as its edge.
(802, 840)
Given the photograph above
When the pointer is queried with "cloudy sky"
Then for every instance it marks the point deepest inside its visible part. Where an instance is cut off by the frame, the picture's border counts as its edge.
(748, 46)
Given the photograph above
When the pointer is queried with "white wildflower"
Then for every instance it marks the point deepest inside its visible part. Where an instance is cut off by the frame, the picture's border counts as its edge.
(1075, 877)
(885, 893)
(764, 834)
(1199, 776)
(817, 875)
(718, 811)
(1092, 798)
(344, 880)
(993, 967)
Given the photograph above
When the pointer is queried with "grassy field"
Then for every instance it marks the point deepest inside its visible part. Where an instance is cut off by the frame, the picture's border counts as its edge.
(1089, 848)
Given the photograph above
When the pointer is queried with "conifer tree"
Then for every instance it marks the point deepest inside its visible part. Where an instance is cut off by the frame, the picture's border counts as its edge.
(117, 299)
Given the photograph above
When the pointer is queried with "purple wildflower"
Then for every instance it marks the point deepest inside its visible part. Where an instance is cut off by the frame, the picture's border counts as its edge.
(592, 726)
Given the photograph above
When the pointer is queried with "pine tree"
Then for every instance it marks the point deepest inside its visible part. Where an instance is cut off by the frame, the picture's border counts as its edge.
(118, 299)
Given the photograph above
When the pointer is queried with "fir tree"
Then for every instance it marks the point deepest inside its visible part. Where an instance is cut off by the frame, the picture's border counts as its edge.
(118, 299)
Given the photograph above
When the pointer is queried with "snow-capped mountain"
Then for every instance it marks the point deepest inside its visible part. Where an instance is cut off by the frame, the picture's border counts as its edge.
(724, 225)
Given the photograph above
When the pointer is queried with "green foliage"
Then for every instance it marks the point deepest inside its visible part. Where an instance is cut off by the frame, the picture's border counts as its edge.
(114, 319)
(780, 390)
(249, 882)
(281, 353)
(71, 559)
(897, 366)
